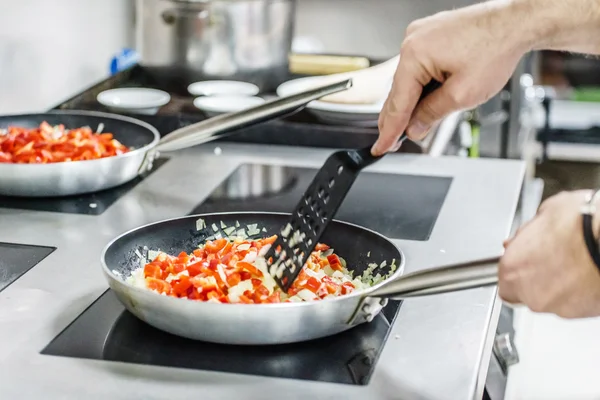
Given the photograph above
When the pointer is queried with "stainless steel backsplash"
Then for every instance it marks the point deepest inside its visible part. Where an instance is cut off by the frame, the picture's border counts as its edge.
(49, 50)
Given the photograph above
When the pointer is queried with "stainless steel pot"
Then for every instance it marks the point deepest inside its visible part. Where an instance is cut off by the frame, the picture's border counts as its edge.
(183, 41)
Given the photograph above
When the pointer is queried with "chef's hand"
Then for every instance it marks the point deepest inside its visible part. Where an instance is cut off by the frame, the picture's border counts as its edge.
(546, 265)
(473, 51)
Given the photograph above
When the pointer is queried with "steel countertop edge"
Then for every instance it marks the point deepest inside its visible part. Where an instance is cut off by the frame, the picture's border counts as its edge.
(439, 346)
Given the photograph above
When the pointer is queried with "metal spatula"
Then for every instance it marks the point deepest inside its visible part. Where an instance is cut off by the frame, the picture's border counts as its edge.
(316, 209)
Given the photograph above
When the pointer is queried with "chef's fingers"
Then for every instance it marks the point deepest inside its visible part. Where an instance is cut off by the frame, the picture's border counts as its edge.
(434, 107)
(509, 240)
(508, 288)
(400, 104)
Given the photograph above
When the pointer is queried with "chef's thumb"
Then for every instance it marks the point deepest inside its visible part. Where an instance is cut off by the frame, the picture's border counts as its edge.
(431, 109)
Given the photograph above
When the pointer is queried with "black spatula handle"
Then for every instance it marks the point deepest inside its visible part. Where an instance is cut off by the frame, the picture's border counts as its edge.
(366, 158)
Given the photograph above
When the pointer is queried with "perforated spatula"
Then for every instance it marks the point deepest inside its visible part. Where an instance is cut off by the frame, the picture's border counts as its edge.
(316, 209)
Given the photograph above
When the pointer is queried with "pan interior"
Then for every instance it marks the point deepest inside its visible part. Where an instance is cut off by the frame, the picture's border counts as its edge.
(127, 132)
(358, 246)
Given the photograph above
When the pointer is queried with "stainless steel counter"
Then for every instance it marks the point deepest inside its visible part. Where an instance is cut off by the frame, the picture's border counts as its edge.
(439, 347)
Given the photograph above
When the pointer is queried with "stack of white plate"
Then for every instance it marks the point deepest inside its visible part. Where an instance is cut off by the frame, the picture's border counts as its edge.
(134, 100)
(219, 97)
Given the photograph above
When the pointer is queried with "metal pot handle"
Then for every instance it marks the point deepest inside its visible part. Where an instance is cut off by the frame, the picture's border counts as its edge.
(225, 124)
(450, 278)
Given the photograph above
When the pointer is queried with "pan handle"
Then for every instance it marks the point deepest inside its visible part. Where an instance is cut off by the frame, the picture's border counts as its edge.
(223, 125)
(451, 278)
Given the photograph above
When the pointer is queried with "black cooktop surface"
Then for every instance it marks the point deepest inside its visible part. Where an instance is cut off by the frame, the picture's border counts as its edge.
(397, 206)
(106, 331)
(17, 259)
(88, 204)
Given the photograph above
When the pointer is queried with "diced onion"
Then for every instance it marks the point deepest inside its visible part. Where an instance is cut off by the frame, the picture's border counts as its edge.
(306, 295)
(236, 291)
(244, 247)
(152, 254)
(250, 257)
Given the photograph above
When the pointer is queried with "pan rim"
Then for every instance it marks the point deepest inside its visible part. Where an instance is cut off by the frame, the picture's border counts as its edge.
(132, 153)
(357, 294)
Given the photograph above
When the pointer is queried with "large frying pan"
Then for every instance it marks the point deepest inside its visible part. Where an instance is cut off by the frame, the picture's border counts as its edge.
(260, 324)
(77, 177)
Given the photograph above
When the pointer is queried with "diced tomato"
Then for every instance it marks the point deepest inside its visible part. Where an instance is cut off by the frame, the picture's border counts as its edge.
(312, 284)
(330, 285)
(227, 249)
(347, 287)
(183, 258)
(177, 268)
(245, 275)
(274, 298)
(212, 265)
(260, 294)
(226, 258)
(47, 144)
(214, 247)
(224, 299)
(269, 240)
(158, 285)
(234, 279)
(334, 262)
(244, 299)
(213, 295)
(321, 247)
(5, 157)
(195, 295)
(198, 253)
(152, 270)
(195, 268)
(181, 286)
(203, 283)
(246, 266)
(256, 282)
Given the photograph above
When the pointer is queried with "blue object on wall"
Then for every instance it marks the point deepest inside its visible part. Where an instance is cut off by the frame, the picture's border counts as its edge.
(123, 60)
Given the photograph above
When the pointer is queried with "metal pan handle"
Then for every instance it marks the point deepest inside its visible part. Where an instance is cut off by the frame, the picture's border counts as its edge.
(223, 125)
(451, 278)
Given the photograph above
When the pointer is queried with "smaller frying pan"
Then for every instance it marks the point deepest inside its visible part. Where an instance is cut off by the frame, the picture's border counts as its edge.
(77, 177)
(261, 324)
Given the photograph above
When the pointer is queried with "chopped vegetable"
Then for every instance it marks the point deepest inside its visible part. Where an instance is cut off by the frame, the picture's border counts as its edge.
(228, 270)
(52, 144)
(200, 224)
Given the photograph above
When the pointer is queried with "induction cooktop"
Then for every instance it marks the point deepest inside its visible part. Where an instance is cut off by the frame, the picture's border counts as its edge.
(17, 259)
(87, 204)
(106, 331)
(398, 206)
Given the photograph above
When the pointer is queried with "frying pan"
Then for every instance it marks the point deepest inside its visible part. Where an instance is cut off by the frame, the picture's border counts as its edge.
(78, 177)
(262, 324)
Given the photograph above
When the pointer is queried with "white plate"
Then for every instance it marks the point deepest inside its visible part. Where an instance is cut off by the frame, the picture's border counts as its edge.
(214, 105)
(365, 115)
(139, 100)
(211, 88)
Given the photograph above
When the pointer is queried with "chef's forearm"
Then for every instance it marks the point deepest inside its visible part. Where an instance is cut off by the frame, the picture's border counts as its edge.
(563, 25)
